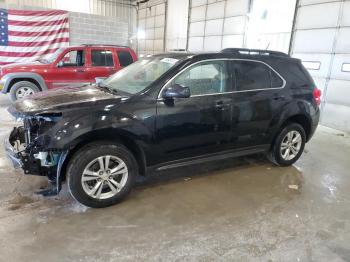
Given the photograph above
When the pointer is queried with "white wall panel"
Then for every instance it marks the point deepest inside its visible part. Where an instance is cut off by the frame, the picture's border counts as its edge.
(159, 33)
(216, 10)
(149, 45)
(234, 25)
(323, 34)
(236, 7)
(232, 41)
(142, 13)
(160, 9)
(149, 33)
(336, 116)
(197, 29)
(198, 2)
(150, 22)
(159, 21)
(214, 27)
(198, 13)
(309, 16)
(338, 92)
(314, 41)
(337, 72)
(345, 21)
(343, 41)
(221, 23)
(195, 44)
(212, 43)
(311, 2)
(177, 24)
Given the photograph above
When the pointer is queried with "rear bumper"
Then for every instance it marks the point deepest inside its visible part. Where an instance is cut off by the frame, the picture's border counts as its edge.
(12, 154)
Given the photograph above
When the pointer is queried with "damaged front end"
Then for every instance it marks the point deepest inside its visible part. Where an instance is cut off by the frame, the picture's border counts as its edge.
(28, 148)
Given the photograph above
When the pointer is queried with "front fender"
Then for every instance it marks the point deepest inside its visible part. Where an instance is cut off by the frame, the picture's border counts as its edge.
(7, 79)
(98, 125)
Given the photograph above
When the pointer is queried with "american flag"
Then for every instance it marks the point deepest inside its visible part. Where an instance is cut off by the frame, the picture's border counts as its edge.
(31, 35)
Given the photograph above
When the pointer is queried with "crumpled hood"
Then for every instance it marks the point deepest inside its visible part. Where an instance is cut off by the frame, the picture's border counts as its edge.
(63, 99)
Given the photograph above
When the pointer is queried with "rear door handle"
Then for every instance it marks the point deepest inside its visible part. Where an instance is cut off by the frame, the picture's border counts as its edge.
(221, 104)
(80, 70)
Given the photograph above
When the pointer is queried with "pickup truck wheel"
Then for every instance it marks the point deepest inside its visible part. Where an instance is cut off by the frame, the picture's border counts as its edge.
(23, 89)
(288, 146)
(101, 174)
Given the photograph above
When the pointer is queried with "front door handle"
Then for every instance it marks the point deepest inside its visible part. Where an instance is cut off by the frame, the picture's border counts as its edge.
(80, 71)
(281, 97)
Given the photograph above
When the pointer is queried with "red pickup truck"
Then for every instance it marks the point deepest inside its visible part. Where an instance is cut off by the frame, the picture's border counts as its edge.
(70, 66)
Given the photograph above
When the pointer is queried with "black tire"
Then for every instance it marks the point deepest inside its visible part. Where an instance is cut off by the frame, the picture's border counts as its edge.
(275, 154)
(86, 155)
(22, 84)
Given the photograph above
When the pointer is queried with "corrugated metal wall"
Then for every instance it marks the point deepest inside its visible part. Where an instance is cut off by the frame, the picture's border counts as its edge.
(322, 41)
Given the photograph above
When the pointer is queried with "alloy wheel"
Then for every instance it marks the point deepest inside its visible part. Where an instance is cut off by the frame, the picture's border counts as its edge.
(291, 145)
(24, 92)
(104, 177)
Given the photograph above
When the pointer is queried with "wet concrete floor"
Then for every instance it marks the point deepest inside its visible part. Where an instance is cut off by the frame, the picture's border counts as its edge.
(235, 210)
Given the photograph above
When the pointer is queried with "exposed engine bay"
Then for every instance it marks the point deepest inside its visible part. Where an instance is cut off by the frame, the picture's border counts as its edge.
(28, 149)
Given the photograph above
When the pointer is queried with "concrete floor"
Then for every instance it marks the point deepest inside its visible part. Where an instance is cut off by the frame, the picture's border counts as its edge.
(239, 210)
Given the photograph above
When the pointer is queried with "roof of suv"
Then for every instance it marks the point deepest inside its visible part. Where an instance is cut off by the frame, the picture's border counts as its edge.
(242, 53)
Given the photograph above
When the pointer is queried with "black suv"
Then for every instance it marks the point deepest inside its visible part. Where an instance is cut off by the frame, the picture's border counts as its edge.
(165, 111)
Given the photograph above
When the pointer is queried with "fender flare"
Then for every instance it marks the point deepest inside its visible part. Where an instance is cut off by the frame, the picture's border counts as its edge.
(6, 80)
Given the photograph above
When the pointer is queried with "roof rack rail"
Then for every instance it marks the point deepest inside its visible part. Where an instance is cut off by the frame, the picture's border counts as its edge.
(104, 45)
(246, 51)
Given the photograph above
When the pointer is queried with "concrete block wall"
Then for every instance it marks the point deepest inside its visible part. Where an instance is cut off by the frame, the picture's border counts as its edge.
(96, 29)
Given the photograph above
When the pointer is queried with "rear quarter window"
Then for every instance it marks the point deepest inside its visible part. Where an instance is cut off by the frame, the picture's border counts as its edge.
(297, 75)
(125, 58)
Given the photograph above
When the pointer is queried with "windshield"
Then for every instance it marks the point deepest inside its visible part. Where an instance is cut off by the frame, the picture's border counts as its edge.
(52, 57)
(137, 76)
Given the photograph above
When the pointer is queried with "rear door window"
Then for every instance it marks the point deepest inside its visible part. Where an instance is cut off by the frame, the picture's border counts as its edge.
(125, 58)
(101, 58)
(252, 75)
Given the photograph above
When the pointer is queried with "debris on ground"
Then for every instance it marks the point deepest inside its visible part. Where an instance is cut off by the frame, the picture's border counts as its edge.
(295, 187)
(187, 179)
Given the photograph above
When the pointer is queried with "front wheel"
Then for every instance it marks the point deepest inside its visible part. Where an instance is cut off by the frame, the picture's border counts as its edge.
(22, 89)
(101, 175)
(288, 145)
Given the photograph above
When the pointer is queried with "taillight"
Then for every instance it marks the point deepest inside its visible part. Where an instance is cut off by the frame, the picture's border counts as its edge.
(317, 95)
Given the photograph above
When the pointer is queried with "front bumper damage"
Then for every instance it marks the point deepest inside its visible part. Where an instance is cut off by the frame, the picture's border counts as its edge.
(34, 162)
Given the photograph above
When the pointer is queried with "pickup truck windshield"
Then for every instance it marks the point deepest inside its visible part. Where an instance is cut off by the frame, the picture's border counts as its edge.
(51, 58)
(137, 76)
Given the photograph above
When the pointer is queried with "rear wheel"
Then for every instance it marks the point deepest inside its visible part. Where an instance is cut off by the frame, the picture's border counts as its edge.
(23, 89)
(289, 145)
(101, 175)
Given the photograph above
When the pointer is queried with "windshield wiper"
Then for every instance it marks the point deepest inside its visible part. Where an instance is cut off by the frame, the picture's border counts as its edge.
(107, 88)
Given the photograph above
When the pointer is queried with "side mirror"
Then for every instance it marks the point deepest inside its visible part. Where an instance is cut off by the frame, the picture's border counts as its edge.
(60, 64)
(99, 79)
(176, 91)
